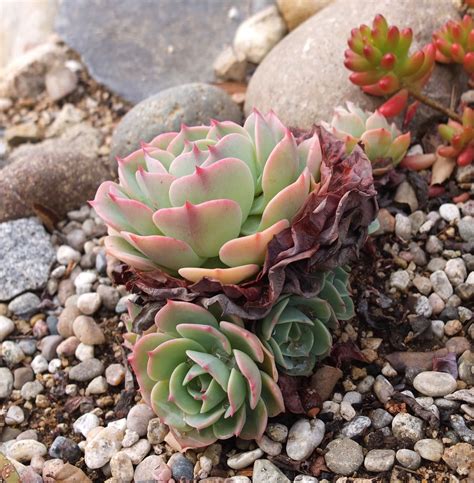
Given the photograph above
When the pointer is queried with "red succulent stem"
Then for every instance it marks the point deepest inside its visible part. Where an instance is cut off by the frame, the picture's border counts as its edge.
(434, 104)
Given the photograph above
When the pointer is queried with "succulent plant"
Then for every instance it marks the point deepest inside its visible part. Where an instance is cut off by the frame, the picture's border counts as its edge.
(455, 43)
(206, 201)
(380, 59)
(380, 139)
(460, 138)
(206, 379)
(296, 329)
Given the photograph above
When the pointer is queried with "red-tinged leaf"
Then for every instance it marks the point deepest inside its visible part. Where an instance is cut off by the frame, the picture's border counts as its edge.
(346, 351)
(467, 156)
(411, 111)
(462, 198)
(447, 364)
(435, 191)
(417, 162)
(395, 105)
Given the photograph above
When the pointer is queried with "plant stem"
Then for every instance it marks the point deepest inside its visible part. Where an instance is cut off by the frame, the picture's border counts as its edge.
(435, 105)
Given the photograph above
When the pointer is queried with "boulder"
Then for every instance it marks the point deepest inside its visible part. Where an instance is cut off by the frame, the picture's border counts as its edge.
(138, 49)
(190, 104)
(303, 78)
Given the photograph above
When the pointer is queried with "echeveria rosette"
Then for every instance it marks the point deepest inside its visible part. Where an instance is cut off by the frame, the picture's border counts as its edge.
(206, 201)
(297, 329)
(382, 65)
(455, 43)
(206, 379)
(381, 141)
(460, 138)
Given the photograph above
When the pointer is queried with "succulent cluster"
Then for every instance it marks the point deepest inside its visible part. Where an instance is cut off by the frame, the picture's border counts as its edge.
(455, 43)
(460, 138)
(380, 60)
(205, 202)
(381, 140)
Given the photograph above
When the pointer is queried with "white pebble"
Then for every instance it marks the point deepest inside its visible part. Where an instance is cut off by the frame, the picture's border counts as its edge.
(304, 437)
(6, 327)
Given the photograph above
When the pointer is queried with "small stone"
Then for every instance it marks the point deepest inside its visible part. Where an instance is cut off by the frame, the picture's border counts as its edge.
(434, 384)
(466, 228)
(139, 417)
(6, 382)
(456, 271)
(6, 327)
(145, 471)
(437, 303)
(181, 467)
(39, 364)
(21, 376)
(130, 438)
(407, 427)
(66, 320)
(423, 284)
(452, 327)
(423, 307)
(28, 346)
(269, 446)
(366, 384)
(353, 397)
(65, 449)
(87, 370)
(466, 367)
(15, 415)
(60, 82)
(87, 331)
(441, 284)
(383, 389)
(25, 304)
(48, 346)
(459, 458)
(242, 460)
(449, 212)
(67, 348)
(437, 327)
(85, 423)
(31, 389)
(430, 449)
(84, 352)
(11, 353)
(403, 227)
(265, 471)
(459, 425)
(65, 255)
(356, 427)
(115, 374)
(436, 264)
(304, 437)
(89, 303)
(324, 380)
(434, 245)
(344, 456)
(408, 459)
(121, 467)
(378, 460)
(380, 418)
(230, 66)
(400, 280)
(256, 36)
(98, 385)
(156, 431)
(138, 451)
(466, 290)
(109, 296)
(347, 411)
(83, 282)
(25, 449)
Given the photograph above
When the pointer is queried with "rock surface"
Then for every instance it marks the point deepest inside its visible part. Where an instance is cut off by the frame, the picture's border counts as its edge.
(173, 42)
(26, 256)
(189, 104)
(303, 78)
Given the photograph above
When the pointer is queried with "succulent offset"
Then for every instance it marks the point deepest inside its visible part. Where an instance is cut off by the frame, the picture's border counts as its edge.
(206, 379)
(380, 139)
(455, 43)
(380, 60)
(460, 138)
(296, 330)
(205, 202)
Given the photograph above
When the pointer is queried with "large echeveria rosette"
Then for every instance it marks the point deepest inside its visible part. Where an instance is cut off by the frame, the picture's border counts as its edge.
(206, 379)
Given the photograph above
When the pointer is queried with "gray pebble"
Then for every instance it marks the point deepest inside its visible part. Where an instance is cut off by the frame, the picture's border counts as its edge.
(356, 427)
(408, 458)
(87, 370)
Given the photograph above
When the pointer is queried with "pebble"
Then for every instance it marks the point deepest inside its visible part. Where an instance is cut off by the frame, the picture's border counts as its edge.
(25, 449)
(12, 353)
(66, 320)
(430, 449)
(407, 427)
(277, 431)
(181, 467)
(423, 307)
(25, 304)
(380, 418)
(54, 366)
(434, 384)
(383, 389)
(84, 352)
(99, 450)
(452, 327)
(466, 228)
(83, 282)
(466, 367)
(145, 471)
(403, 228)
(408, 458)
(130, 438)
(436, 264)
(156, 431)
(138, 451)
(269, 446)
(459, 425)
(87, 330)
(344, 456)
(441, 284)
(423, 284)
(305, 479)
(65, 449)
(304, 437)
(378, 460)
(347, 411)
(86, 423)
(109, 296)
(352, 397)
(31, 389)
(459, 458)
(433, 245)
(39, 364)
(121, 467)
(86, 370)
(437, 303)
(356, 427)
(449, 212)
(366, 384)
(15, 415)
(48, 346)
(6, 382)
(456, 270)
(6, 327)
(400, 280)
(265, 471)
(139, 417)
(242, 460)
(98, 385)
(89, 303)
(67, 347)
(115, 374)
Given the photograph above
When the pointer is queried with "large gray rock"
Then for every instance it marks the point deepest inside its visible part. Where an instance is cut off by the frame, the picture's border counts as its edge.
(303, 78)
(26, 256)
(190, 104)
(140, 48)
(56, 175)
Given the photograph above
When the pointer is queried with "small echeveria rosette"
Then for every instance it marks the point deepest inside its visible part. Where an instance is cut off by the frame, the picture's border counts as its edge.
(296, 330)
(206, 379)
